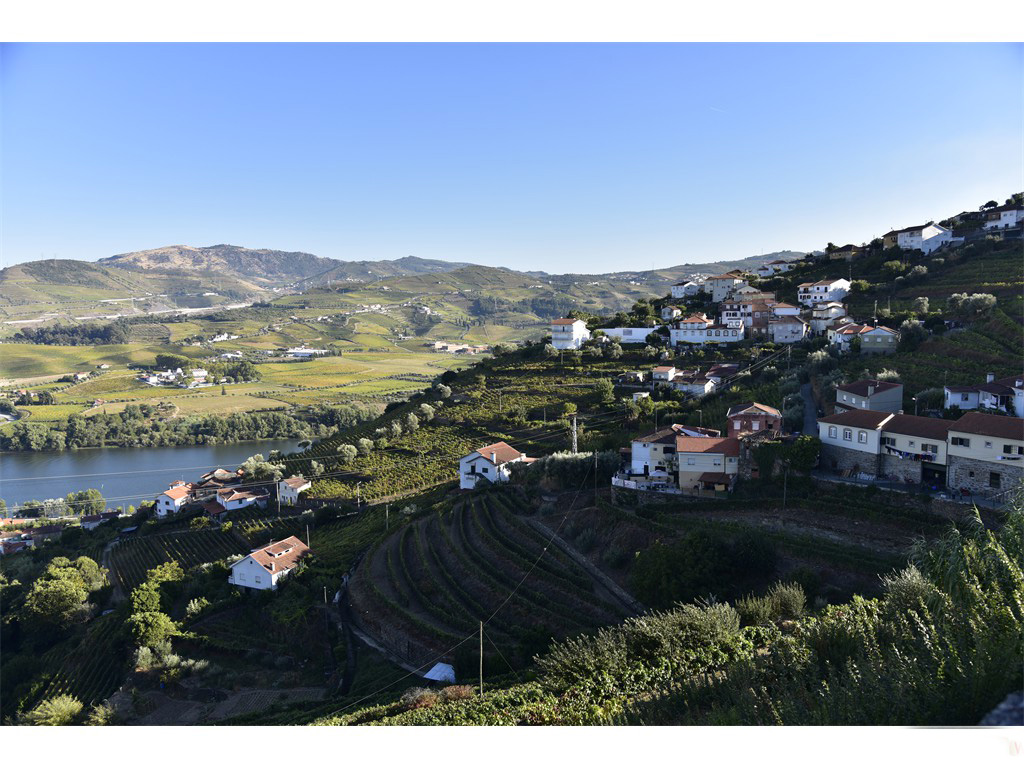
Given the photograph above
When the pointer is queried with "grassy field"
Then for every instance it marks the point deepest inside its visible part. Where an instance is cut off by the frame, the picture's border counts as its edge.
(19, 360)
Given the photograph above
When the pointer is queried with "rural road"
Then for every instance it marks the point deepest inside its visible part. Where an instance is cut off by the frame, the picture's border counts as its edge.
(810, 410)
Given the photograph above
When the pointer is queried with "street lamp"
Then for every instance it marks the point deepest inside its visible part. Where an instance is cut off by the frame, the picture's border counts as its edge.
(915, 405)
(701, 416)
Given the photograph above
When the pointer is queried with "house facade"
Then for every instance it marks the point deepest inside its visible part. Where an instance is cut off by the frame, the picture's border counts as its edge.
(825, 314)
(1006, 395)
(721, 286)
(822, 291)
(870, 395)
(263, 568)
(698, 329)
(490, 464)
(567, 333)
(986, 452)
(925, 238)
(685, 289)
(1004, 217)
(288, 490)
(878, 340)
(846, 253)
(173, 499)
(787, 330)
(629, 335)
(753, 418)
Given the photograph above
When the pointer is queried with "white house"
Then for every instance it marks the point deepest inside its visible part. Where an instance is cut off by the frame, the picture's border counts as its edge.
(787, 329)
(233, 498)
(305, 352)
(567, 333)
(288, 490)
(698, 329)
(925, 238)
(686, 288)
(173, 499)
(1004, 217)
(628, 335)
(263, 568)
(707, 463)
(663, 373)
(773, 268)
(825, 314)
(870, 395)
(822, 291)
(489, 464)
(782, 309)
(199, 373)
(996, 394)
(721, 285)
(840, 336)
(670, 313)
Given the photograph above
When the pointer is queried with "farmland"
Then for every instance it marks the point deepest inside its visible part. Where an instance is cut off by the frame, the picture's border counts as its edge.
(425, 587)
(131, 559)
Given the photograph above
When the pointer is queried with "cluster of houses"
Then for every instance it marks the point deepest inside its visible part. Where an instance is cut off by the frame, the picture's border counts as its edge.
(222, 491)
(197, 377)
(457, 348)
(12, 542)
(695, 382)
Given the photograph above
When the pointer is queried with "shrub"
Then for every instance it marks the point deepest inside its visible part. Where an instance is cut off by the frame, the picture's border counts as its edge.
(457, 693)
(59, 710)
(788, 600)
(102, 714)
(755, 611)
(419, 698)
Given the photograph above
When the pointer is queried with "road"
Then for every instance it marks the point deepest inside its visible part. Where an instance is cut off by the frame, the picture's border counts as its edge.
(810, 410)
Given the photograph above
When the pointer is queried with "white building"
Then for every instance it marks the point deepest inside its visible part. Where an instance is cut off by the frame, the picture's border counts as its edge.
(823, 291)
(925, 238)
(1004, 217)
(870, 395)
(567, 333)
(782, 309)
(773, 268)
(663, 373)
(686, 288)
(263, 568)
(233, 498)
(698, 329)
(670, 313)
(173, 499)
(305, 352)
(199, 373)
(787, 330)
(721, 285)
(489, 464)
(628, 335)
(824, 315)
(288, 490)
(1005, 395)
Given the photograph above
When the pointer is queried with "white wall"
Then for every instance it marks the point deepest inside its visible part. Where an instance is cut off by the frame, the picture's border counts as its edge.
(871, 437)
(248, 573)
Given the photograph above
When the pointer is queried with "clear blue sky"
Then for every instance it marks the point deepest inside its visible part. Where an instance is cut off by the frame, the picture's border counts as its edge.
(557, 157)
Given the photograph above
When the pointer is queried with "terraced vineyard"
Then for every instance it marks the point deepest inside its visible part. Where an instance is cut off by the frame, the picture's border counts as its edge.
(427, 586)
(132, 558)
(93, 669)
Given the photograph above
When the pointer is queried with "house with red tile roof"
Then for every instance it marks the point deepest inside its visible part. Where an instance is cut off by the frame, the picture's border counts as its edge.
(489, 464)
(263, 568)
(173, 499)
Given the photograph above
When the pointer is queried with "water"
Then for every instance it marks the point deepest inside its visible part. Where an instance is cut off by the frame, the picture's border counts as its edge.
(123, 475)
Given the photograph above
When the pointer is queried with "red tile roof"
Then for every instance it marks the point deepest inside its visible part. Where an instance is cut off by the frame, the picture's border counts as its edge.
(729, 446)
(280, 556)
(178, 492)
(295, 482)
(502, 450)
(565, 321)
(989, 425)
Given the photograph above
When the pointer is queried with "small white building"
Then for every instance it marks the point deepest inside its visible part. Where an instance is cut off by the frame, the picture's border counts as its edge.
(686, 288)
(773, 268)
(787, 329)
(629, 335)
(567, 333)
(489, 464)
(663, 373)
(670, 313)
(825, 314)
(173, 499)
(233, 498)
(1005, 395)
(288, 490)
(305, 352)
(263, 568)
(823, 291)
(199, 373)
(698, 329)
(925, 238)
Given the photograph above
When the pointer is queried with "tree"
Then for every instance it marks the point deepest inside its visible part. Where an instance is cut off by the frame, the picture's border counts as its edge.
(912, 333)
(347, 453)
(917, 273)
(172, 362)
(859, 286)
(87, 502)
(426, 412)
(59, 710)
(893, 268)
(550, 351)
(444, 391)
(614, 351)
(410, 423)
(921, 305)
(145, 598)
(150, 628)
(604, 390)
(259, 469)
(56, 602)
(967, 306)
(316, 468)
(364, 446)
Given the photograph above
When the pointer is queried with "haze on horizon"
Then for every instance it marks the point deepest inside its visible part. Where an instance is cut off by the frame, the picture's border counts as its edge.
(562, 158)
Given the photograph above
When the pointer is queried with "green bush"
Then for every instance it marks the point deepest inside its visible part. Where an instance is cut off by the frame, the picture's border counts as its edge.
(59, 710)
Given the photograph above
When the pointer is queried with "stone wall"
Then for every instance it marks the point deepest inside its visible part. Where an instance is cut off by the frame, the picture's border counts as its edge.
(834, 457)
(900, 470)
(960, 469)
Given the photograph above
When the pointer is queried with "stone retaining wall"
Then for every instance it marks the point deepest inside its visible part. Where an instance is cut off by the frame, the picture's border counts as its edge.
(834, 457)
(960, 470)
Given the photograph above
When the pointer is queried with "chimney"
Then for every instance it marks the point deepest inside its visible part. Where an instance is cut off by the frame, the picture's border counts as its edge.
(494, 458)
(871, 389)
(989, 378)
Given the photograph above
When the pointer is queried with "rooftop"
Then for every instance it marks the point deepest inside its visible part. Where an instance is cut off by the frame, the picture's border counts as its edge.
(503, 452)
(990, 425)
(860, 388)
(753, 407)
(863, 419)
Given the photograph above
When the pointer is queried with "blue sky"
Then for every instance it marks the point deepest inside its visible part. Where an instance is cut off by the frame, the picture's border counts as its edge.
(564, 158)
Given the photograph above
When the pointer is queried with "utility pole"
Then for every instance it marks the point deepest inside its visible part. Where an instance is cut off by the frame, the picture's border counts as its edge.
(387, 516)
(481, 658)
(545, 414)
(359, 502)
(574, 441)
(307, 534)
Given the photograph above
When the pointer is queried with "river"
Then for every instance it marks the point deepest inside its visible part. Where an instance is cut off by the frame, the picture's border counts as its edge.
(123, 475)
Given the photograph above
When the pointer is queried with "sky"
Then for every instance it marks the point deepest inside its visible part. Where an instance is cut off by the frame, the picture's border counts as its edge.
(563, 158)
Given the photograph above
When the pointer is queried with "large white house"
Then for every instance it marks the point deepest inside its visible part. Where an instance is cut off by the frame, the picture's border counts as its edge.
(490, 464)
(698, 329)
(825, 314)
(567, 333)
(925, 238)
(787, 329)
(173, 499)
(233, 498)
(263, 568)
(810, 294)
(288, 490)
(1004, 217)
(721, 286)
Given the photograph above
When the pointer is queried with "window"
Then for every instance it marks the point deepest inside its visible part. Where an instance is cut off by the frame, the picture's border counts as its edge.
(889, 441)
(1007, 448)
(831, 431)
(862, 436)
(258, 581)
(736, 425)
(929, 448)
(988, 443)
(964, 397)
(484, 469)
(911, 443)
(993, 479)
(691, 461)
(962, 441)
(756, 425)
(847, 434)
